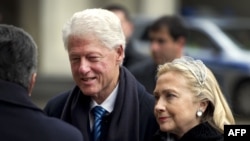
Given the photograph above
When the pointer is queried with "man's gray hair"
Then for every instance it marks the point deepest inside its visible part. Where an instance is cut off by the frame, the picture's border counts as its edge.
(100, 23)
(18, 55)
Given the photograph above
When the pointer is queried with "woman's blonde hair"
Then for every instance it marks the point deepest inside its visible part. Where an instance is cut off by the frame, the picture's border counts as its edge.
(204, 85)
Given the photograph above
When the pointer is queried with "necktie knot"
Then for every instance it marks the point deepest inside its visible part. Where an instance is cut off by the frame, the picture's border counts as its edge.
(98, 112)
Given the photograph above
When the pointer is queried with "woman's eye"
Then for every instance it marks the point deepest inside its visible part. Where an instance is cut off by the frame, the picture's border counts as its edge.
(170, 96)
(156, 97)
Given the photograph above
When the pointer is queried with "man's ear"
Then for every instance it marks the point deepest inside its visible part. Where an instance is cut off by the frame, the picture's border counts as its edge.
(181, 41)
(180, 44)
(120, 53)
(32, 83)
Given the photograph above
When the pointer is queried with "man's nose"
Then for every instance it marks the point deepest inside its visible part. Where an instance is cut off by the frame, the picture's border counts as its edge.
(84, 66)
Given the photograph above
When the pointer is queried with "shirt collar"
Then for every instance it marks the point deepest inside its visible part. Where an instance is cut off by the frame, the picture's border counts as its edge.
(109, 102)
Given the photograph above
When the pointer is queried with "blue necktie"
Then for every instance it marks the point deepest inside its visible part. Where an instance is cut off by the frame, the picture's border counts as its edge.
(98, 113)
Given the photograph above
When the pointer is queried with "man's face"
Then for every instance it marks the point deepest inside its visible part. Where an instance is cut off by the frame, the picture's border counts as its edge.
(162, 46)
(95, 68)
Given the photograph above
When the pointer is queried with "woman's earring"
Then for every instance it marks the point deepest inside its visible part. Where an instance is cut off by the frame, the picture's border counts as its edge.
(199, 113)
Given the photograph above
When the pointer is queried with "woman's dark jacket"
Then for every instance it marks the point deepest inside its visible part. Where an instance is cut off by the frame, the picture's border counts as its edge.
(201, 132)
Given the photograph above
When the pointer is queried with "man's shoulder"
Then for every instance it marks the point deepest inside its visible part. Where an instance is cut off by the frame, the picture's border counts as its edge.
(58, 127)
(61, 130)
(62, 97)
(56, 104)
(141, 66)
(144, 96)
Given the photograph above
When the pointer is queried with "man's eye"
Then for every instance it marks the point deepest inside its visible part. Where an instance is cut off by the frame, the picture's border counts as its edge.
(161, 41)
(75, 59)
(94, 58)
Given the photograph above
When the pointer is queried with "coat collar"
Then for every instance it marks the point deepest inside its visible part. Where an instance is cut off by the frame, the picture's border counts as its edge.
(15, 94)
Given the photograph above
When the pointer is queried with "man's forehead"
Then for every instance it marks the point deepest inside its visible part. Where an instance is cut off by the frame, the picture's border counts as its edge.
(160, 29)
(160, 33)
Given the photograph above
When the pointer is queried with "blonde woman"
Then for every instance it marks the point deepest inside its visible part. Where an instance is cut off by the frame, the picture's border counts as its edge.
(189, 103)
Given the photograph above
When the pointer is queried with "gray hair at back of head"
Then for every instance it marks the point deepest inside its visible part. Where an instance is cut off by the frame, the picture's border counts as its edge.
(101, 23)
(18, 55)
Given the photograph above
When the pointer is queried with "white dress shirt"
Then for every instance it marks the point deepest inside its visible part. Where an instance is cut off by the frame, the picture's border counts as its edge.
(107, 104)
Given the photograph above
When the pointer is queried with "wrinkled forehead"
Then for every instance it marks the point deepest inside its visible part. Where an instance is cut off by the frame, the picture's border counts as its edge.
(74, 40)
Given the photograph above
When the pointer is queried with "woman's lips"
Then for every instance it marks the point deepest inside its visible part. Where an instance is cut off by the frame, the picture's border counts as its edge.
(163, 119)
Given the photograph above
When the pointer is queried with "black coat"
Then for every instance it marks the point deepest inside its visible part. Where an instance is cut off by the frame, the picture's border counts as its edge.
(145, 73)
(133, 55)
(21, 120)
(201, 132)
(131, 120)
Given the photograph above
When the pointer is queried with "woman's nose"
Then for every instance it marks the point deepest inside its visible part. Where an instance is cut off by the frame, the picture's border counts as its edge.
(159, 105)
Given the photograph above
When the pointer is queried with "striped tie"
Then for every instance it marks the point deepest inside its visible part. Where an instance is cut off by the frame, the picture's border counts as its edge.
(98, 113)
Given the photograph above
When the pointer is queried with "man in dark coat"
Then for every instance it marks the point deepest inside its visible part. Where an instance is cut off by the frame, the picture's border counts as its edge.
(133, 55)
(95, 43)
(167, 36)
(20, 119)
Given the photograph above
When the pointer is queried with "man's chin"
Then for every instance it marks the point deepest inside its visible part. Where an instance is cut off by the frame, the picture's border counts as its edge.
(89, 92)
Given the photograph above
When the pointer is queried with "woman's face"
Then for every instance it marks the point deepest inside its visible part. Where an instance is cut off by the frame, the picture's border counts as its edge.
(175, 107)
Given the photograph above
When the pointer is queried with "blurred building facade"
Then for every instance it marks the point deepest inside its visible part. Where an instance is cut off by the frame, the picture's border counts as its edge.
(44, 19)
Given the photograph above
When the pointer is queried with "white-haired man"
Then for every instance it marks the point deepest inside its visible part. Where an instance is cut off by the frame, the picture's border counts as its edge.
(95, 43)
